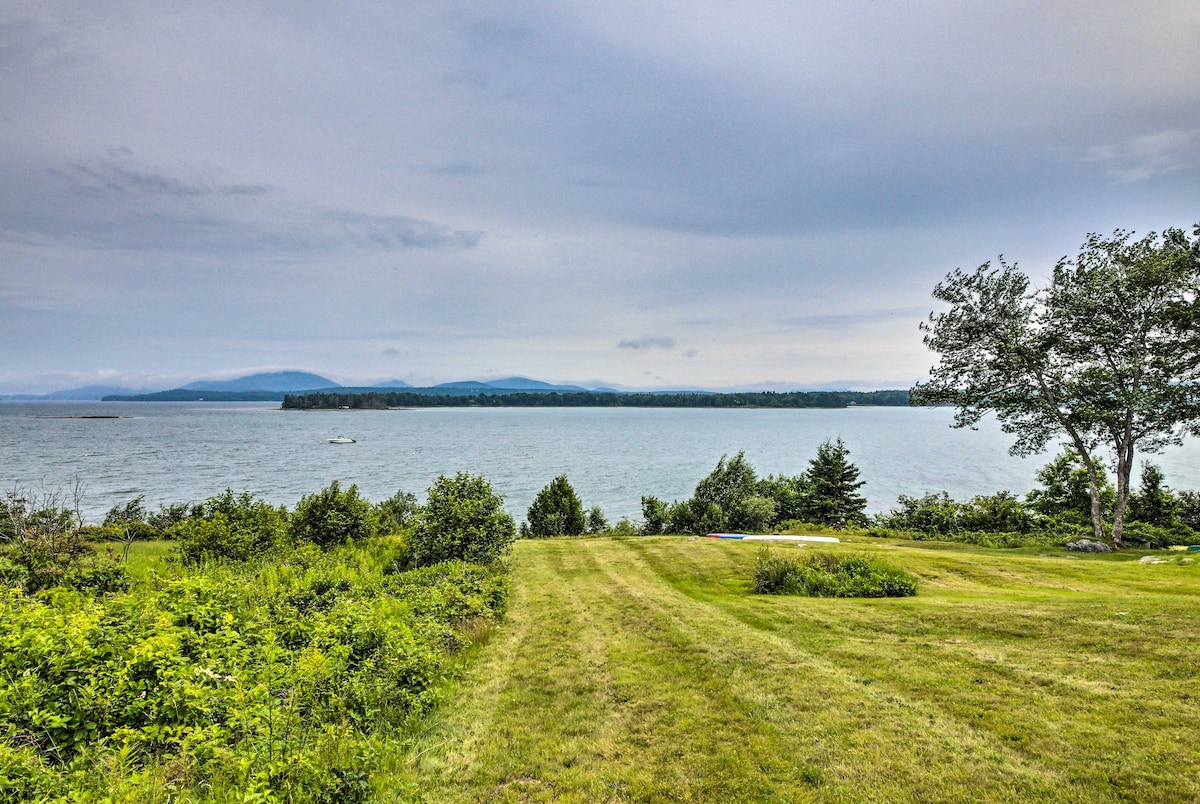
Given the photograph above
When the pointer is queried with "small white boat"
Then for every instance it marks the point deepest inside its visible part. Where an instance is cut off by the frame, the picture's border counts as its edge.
(341, 440)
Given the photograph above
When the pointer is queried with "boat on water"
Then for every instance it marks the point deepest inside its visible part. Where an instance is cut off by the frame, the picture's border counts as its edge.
(341, 440)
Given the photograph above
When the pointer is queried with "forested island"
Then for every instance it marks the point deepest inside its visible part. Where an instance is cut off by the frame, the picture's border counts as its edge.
(381, 400)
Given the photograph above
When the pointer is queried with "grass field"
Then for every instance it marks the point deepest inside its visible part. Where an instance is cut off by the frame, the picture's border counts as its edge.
(643, 669)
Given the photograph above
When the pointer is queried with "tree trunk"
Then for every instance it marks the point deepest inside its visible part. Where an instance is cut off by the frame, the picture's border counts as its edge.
(1124, 469)
(1093, 491)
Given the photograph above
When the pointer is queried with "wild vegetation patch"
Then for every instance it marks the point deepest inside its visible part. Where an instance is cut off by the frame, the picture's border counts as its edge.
(821, 574)
(267, 658)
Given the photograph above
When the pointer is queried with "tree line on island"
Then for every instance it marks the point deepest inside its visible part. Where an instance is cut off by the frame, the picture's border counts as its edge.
(382, 400)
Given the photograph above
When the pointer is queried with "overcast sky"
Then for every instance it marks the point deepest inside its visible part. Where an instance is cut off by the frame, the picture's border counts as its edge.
(648, 194)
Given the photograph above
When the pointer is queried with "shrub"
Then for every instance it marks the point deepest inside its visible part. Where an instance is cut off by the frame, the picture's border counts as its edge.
(398, 512)
(1065, 489)
(556, 511)
(998, 513)
(332, 516)
(830, 575)
(132, 511)
(229, 527)
(1188, 508)
(931, 514)
(654, 516)
(596, 521)
(462, 518)
(752, 515)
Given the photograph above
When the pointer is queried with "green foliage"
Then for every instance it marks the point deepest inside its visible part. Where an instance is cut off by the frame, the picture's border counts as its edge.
(132, 511)
(654, 516)
(1066, 489)
(725, 486)
(831, 487)
(230, 527)
(1154, 504)
(463, 518)
(272, 680)
(939, 515)
(930, 514)
(43, 544)
(830, 575)
(398, 512)
(555, 511)
(596, 521)
(167, 515)
(1188, 508)
(332, 516)
(752, 514)
(1107, 356)
(733, 498)
(996, 513)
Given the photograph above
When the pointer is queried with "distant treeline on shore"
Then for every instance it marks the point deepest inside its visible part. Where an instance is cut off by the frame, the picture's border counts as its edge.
(376, 400)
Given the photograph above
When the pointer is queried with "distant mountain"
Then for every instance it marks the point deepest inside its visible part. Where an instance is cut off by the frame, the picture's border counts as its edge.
(467, 384)
(87, 393)
(526, 384)
(392, 384)
(92, 392)
(285, 381)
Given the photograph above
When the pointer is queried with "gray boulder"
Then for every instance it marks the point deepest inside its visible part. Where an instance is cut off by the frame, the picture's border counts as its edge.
(1088, 546)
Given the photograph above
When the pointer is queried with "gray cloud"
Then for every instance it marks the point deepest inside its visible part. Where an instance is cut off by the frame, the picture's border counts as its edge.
(462, 167)
(850, 319)
(118, 175)
(647, 342)
(197, 184)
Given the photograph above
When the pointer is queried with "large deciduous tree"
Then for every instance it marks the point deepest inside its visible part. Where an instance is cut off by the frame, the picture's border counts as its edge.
(1107, 357)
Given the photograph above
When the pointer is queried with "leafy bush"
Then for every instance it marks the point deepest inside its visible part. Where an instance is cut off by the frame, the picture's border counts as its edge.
(830, 575)
(273, 681)
(654, 516)
(935, 514)
(230, 527)
(1065, 489)
(398, 512)
(452, 591)
(733, 498)
(463, 518)
(1188, 508)
(596, 521)
(332, 516)
(556, 511)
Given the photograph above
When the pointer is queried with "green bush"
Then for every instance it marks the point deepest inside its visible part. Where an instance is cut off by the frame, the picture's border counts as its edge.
(596, 521)
(397, 513)
(463, 518)
(556, 511)
(830, 575)
(229, 527)
(332, 516)
(263, 681)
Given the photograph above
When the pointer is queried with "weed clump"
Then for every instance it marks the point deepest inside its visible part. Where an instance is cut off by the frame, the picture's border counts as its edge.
(830, 575)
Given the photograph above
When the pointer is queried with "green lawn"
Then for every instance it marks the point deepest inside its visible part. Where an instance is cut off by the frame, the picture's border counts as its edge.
(643, 669)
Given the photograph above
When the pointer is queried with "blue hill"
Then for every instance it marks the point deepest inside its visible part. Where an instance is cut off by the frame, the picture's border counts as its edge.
(274, 381)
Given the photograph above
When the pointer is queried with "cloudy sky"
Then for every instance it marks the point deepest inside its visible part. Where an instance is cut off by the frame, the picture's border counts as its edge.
(649, 194)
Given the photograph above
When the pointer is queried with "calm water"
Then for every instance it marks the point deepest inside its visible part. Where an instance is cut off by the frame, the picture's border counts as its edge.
(174, 452)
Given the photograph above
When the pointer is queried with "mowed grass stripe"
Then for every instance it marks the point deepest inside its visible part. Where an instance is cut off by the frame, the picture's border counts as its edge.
(1055, 678)
(876, 742)
(642, 670)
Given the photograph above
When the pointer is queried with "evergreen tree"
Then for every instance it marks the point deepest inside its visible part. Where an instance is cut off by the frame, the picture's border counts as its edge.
(1154, 504)
(832, 486)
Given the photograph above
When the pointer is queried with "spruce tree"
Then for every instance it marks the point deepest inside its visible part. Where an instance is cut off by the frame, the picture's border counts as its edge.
(831, 488)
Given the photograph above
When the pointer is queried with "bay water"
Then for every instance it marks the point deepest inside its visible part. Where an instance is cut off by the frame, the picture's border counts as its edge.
(185, 452)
